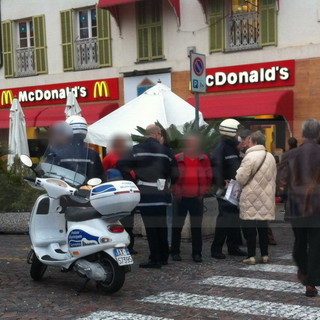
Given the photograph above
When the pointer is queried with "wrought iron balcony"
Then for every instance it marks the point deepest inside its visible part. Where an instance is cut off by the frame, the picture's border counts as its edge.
(242, 31)
(86, 54)
(25, 62)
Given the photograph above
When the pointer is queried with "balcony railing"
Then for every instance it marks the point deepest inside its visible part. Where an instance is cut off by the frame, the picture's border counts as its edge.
(25, 62)
(243, 31)
(86, 54)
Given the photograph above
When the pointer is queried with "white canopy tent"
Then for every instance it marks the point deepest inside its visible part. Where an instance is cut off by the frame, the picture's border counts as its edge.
(18, 141)
(72, 106)
(158, 103)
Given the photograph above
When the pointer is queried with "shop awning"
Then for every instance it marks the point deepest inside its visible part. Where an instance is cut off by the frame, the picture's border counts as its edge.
(248, 104)
(113, 7)
(46, 116)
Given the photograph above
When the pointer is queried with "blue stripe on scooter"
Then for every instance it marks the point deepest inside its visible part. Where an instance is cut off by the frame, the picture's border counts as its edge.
(104, 188)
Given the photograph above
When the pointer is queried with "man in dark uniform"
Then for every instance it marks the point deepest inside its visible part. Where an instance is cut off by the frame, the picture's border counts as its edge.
(77, 156)
(155, 168)
(225, 162)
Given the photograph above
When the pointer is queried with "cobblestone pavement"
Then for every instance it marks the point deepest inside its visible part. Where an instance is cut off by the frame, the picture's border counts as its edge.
(182, 290)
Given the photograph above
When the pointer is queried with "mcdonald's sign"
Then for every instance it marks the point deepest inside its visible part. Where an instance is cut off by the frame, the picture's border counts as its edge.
(6, 97)
(101, 89)
(84, 91)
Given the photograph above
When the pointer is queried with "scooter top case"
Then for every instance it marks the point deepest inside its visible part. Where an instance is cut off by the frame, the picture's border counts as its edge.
(115, 198)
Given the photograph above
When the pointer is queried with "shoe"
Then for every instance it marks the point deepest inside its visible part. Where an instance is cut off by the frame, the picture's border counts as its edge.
(311, 291)
(150, 265)
(133, 252)
(176, 257)
(250, 261)
(272, 242)
(218, 255)
(302, 277)
(265, 259)
(164, 263)
(197, 258)
(237, 253)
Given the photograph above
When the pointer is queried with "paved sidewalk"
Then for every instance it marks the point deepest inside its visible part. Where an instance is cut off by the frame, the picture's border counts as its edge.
(212, 290)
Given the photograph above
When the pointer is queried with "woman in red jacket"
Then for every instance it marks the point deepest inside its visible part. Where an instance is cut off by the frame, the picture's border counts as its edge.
(194, 182)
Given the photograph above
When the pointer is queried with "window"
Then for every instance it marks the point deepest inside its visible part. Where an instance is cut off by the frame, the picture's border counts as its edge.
(25, 34)
(24, 47)
(149, 30)
(237, 25)
(87, 44)
(87, 22)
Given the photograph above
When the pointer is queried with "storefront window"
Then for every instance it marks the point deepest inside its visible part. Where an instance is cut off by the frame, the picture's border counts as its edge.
(244, 6)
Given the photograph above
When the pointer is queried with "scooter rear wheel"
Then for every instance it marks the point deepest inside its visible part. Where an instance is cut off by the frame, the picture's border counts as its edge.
(37, 269)
(115, 275)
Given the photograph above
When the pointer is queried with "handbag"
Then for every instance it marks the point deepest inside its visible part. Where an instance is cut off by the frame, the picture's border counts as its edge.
(234, 188)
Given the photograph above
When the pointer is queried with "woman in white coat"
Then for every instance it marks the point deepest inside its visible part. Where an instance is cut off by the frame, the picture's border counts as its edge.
(257, 175)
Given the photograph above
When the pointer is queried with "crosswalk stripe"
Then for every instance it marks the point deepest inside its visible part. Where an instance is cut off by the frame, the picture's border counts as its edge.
(235, 305)
(113, 315)
(252, 283)
(271, 268)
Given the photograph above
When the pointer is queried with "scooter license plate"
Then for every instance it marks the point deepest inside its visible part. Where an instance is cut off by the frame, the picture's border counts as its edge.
(123, 257)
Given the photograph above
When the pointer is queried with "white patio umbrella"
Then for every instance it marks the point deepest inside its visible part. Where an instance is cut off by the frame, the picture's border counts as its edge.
(158, 103)
(18, 142)
(72, 106)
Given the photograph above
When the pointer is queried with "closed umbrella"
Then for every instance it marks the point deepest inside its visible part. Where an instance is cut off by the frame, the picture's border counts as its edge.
(18, 142)
(72, 106)
(158, 103)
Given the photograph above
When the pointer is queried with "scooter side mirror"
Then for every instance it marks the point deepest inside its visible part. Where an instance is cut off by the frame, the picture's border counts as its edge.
(94, 182)
(26, 160)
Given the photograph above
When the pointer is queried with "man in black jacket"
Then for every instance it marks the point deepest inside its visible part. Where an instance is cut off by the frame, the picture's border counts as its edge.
(155, 168)
(225, 162)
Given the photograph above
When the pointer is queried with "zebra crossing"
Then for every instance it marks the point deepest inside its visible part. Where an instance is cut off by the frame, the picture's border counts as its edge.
(222, 303)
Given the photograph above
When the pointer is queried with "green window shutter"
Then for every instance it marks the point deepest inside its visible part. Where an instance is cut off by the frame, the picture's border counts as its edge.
(67, 39)
(40, 44)
(104, 38)
(7, 49)
(149, 30)
(268, 22)
(216, 25)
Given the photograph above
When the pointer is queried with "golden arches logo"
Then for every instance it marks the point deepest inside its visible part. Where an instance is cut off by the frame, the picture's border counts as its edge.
(101, 89)
(6, 97)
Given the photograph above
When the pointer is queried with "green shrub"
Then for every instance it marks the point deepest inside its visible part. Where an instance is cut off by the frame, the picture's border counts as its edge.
(15, 194)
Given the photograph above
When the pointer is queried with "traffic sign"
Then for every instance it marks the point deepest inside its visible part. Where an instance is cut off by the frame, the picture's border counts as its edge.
(198, 72)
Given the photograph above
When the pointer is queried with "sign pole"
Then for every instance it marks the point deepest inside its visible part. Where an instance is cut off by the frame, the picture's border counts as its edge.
(196, 97)
(198, 80)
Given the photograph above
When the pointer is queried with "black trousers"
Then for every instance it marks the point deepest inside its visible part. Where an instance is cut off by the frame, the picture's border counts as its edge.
(195, 208)
(306, 249)
(227, 228)
(128, 222)
(250, 230)
(155, 222)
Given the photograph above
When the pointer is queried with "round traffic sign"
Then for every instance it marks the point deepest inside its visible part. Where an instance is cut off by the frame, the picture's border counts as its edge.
(198, 66)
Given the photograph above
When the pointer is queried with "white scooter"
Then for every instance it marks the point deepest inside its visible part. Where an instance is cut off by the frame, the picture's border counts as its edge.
(86, 237)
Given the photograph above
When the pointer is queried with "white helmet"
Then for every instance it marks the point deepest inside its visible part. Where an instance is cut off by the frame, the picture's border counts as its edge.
(229, 127)
(78, 124)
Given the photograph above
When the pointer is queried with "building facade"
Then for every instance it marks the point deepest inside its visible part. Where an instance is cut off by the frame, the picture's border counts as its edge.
(262, 58)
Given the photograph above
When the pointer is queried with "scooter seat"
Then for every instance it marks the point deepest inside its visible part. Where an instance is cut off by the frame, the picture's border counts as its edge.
(78, 214)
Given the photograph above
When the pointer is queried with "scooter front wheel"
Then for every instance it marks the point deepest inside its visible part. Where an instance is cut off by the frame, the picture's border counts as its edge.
(37, 269)
(115, 275)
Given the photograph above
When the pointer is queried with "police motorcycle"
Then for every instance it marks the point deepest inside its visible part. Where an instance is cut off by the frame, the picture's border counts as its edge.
(75, 225)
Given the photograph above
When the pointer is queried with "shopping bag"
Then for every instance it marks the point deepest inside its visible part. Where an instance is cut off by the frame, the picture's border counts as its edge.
(233, 192)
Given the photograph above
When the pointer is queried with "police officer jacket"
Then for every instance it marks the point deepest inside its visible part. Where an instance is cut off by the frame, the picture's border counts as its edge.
(150, 161)
(225, 160)
(79, 158)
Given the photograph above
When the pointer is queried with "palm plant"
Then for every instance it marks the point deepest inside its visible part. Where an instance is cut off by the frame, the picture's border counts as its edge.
(209, 135)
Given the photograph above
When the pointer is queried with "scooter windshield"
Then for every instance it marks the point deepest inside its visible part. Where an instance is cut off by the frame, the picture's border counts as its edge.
(66, 158)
